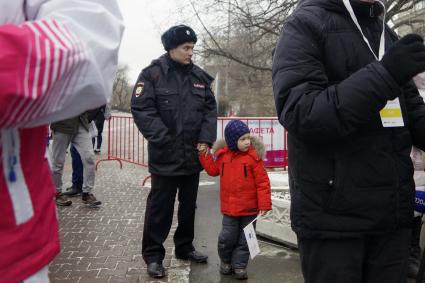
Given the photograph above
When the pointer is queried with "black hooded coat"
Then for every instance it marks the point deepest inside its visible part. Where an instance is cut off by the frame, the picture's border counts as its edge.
(349, 176)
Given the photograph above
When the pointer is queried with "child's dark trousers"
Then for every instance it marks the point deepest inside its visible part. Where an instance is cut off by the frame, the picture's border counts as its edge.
(232, 245)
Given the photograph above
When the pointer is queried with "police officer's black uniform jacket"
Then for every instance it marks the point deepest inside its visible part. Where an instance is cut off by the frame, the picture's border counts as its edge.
(174, 108)
(348, 174)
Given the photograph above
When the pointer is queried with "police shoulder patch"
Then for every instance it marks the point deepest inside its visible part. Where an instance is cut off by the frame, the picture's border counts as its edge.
(140, 87)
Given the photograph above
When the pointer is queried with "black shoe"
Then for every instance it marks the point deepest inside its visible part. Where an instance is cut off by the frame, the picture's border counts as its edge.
(62, 200)
(72, 191)
(194, 256)
(240, 273)
(156, 270)
(96, 151)
(90, 199)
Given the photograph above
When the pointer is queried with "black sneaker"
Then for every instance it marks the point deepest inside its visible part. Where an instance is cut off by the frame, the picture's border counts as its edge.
(72, 191)
(61, 200)
(97, 151)
(90, 199)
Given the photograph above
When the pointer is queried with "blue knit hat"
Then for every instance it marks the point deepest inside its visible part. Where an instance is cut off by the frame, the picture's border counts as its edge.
(233, 131)
(177, 35)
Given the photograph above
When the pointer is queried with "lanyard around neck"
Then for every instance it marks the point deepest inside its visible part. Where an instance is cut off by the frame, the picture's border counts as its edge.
(354, 18)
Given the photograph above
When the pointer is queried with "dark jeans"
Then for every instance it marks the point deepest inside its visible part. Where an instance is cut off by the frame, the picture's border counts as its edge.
(232, 246)
(77, 169)
(377, 259)
(99, 125)
(159, 215)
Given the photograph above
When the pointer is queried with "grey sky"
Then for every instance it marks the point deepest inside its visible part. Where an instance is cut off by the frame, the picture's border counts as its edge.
(145, 21)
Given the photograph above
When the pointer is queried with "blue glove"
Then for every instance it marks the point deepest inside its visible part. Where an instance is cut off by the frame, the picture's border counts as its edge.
(420, 201)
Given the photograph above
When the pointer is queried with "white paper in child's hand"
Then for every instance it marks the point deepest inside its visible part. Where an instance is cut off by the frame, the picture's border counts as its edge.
(251, 239)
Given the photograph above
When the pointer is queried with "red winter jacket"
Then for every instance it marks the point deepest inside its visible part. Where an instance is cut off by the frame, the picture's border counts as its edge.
(244, 183)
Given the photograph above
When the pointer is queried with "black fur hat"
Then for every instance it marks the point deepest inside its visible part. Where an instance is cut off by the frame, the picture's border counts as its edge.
(177, 35)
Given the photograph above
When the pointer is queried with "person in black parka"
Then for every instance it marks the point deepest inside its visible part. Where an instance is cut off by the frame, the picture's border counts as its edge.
(352, 191)
(99, 115)
(174, 108)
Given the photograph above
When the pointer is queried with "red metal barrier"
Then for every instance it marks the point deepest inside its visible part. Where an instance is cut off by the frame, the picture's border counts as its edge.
(126, 143)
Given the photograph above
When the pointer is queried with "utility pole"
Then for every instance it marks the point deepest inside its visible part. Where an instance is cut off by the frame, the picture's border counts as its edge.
(226, 86)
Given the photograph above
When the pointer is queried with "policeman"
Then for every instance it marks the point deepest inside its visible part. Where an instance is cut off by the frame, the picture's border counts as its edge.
(175, 110)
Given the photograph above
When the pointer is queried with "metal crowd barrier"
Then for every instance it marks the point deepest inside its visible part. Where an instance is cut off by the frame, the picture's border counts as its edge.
(127, 144)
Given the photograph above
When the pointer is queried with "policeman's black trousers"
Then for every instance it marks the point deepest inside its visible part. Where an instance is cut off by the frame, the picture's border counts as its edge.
(159, 215)
(374, 259)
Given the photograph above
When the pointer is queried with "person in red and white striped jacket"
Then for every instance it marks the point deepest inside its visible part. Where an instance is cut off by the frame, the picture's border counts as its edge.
(57, 59)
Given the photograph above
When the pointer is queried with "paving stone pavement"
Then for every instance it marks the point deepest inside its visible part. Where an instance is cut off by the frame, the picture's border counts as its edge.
(100, 245)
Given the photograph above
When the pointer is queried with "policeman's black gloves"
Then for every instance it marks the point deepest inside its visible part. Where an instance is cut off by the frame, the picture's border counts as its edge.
(406, 58)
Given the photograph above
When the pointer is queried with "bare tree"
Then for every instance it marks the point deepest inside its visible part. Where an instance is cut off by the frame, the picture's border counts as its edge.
(255, 23)
(121, 89)
(397, 7)
(239, 36)
(260, 22)
(240, 49)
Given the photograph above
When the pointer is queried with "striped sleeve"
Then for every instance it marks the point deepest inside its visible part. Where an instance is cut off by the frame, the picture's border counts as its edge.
(39, 62)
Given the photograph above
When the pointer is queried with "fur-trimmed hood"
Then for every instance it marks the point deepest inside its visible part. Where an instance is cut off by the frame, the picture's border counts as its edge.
(256, 144)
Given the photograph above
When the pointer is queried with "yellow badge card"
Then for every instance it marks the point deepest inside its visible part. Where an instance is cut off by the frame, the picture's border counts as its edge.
(391, 115)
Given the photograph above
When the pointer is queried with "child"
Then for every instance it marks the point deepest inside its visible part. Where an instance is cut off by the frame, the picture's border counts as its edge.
(244, 192)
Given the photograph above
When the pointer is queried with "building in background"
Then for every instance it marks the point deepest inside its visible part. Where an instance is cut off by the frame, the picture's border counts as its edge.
(412, 20)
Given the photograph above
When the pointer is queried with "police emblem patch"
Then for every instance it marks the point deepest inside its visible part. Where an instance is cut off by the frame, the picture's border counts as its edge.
(187, 32)
(139, 89)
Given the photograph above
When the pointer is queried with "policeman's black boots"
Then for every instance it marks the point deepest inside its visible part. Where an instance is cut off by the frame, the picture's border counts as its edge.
(156, 270)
